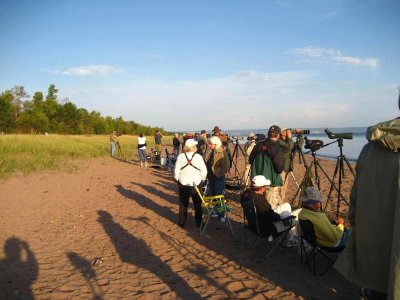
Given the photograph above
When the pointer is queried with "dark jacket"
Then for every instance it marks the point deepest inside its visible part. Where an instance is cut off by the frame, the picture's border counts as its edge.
(267, 159)
(265, 215)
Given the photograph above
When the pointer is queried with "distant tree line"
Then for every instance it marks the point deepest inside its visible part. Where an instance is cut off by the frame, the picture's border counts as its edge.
(21, 114)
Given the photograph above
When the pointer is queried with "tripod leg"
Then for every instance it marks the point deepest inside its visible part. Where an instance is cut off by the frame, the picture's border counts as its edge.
(333, 180)
(349, 166)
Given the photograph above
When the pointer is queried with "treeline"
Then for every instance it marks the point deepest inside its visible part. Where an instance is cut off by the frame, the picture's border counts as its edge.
(40, 114)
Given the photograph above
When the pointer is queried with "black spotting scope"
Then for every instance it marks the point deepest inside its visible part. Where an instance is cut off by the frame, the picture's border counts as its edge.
(345, 136)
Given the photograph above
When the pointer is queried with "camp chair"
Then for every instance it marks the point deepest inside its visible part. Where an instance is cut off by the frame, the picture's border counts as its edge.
(212, 205)
(310, 247)
(170, 160)
(250, 221)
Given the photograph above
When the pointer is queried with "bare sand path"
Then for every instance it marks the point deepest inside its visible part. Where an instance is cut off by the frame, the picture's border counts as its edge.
(109, 231)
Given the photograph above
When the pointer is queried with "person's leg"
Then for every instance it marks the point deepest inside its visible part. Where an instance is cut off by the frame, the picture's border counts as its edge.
(283, 188)
(345, 237)
(272, 196)
(198, 211)
(247, 174)
(112, 149)
(184, 195)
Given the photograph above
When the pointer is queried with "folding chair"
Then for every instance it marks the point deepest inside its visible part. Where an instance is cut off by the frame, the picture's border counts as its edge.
(251, 223)
(170, 160)
(308, 236)
(212, 205)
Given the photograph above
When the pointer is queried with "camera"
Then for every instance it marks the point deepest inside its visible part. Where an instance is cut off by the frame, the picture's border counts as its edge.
(299, 131)
(313, 145)
(234, 138)
(345, 136)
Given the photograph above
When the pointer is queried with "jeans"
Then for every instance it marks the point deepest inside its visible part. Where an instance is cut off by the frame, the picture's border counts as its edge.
(216, 186)
(112, 149)
(344, 238)
(142, 154)
(176, 151)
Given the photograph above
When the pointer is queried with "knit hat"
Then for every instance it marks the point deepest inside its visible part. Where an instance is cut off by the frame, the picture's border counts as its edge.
(260, 180)
(311, 195)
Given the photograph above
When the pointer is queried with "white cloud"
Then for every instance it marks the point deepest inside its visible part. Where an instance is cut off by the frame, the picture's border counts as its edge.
(91, 70)
(333, 56)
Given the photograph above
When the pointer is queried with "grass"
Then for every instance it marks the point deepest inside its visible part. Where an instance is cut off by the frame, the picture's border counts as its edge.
(32, 153)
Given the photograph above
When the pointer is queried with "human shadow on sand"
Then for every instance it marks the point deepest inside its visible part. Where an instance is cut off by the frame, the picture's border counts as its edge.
(18, 270)
(134, 251)
(85, 267)
(283, 269)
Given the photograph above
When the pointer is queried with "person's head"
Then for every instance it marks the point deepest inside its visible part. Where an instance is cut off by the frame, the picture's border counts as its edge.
(114, 132)
(190, 145)
(312, 198)
(216, 130)
(251, 136)
(259, 184)
(157, 131)
(214, 142)
(141, 135)
(176, 135)
(274, 131)
(203, 132)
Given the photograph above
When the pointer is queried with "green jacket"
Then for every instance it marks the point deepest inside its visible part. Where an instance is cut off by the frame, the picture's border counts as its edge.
(218, 163)
(286, 147)
(371, 258)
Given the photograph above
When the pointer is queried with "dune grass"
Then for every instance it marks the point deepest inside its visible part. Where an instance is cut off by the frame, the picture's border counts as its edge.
(31, 153)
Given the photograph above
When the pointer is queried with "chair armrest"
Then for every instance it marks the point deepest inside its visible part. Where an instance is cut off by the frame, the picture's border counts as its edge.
(287, 221)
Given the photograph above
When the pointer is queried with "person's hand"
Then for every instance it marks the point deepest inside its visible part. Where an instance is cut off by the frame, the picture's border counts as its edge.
(340, 220)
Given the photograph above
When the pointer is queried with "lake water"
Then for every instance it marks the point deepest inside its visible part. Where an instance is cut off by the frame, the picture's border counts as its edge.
(351, 147)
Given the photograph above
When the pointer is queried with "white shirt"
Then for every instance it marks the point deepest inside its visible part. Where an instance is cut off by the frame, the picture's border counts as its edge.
(141, 140)
(189, 174)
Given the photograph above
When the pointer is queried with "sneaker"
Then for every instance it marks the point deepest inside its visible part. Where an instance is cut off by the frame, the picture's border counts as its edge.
(214, 215)
(222, 219)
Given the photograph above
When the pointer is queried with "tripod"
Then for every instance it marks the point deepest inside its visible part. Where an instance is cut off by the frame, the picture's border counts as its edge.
(315, 164)
(296, 151)
(339, 169)
(237, 177)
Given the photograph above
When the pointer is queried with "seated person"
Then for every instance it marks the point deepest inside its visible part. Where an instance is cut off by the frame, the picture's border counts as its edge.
(326, 234)
(268, 220)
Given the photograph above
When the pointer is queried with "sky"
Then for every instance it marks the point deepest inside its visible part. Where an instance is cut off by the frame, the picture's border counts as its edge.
(191, 65)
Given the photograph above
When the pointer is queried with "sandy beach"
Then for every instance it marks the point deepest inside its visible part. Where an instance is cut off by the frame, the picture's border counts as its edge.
(108, 231)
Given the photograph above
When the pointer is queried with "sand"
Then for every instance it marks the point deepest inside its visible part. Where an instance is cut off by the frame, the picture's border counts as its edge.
(108, 231)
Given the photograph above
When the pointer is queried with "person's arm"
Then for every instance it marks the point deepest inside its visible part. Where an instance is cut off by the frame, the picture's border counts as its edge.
(277, 158)
(254, 152)
(202, 166)
(177, 169)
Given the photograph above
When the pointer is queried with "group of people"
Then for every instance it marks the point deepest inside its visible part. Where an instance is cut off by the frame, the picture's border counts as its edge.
(371, 258)
(192, 169)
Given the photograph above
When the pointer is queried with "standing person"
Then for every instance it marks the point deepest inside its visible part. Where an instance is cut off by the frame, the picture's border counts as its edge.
(371, 258)
(248, 147)
(217, 166)
(141, 145)
(189, 168)
(224, 140)
(157, 142)
(202, 143)
(286, 144)
(267, 159)
(176, 143)
(113, 142)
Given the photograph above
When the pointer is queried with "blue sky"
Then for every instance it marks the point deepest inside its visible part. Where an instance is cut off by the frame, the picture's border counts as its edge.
(195, 64)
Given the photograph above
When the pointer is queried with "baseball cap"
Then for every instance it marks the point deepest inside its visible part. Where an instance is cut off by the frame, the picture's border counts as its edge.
(260, 180)
(251, 135)
(203, 131)
(216, 129)
(190, 143)
(274, 129)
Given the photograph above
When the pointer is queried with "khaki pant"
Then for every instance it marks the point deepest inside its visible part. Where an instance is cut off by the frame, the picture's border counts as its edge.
(247, 176)
(283, 188)
(158, 147)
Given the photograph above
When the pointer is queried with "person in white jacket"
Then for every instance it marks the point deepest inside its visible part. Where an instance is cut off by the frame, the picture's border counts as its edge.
(189, 169)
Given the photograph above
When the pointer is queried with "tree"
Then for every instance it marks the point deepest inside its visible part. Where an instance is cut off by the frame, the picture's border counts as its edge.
(7, 112)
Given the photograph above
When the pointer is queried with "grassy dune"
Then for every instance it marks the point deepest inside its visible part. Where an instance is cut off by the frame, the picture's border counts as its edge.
(31, 153)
